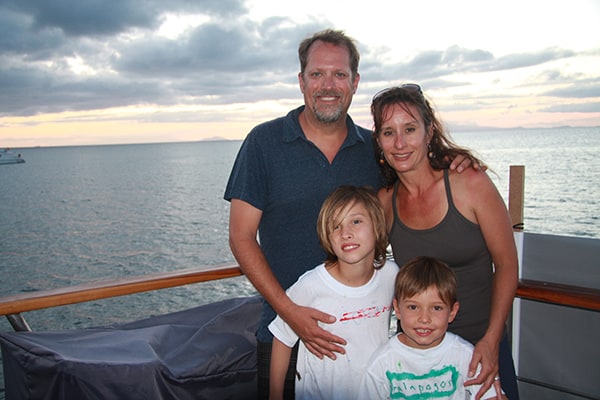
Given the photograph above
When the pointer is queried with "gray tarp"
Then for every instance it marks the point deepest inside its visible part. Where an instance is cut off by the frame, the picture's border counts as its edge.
(208, 352)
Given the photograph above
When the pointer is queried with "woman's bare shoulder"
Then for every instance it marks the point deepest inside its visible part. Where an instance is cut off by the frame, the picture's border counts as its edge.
(470, 179)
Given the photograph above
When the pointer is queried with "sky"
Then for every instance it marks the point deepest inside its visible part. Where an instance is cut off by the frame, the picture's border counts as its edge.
(83, 72)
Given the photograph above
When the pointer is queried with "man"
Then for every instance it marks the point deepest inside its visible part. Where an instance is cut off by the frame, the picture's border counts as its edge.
(284, 170)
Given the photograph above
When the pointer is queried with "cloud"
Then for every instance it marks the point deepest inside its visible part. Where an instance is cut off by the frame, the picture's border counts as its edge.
(66, 55)
(111, 56)
(585, 89)
(107, 18)
(522, 60)
(588, 107)
(18, 39)
(211, 48)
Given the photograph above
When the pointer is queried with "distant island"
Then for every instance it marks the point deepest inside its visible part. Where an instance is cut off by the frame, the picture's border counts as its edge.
(215, 139)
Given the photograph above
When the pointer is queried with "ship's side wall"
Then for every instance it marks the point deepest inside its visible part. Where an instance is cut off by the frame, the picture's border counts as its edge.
(556, 348)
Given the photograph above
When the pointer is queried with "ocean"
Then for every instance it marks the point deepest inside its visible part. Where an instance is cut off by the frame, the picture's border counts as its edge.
(72, 215)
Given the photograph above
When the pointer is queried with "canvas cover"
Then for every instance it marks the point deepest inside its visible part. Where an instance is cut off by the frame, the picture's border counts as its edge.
(208, 352)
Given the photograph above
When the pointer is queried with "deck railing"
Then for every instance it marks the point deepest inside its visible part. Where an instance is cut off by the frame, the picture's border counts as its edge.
(12, 306)
(547, 292)
(562, 295)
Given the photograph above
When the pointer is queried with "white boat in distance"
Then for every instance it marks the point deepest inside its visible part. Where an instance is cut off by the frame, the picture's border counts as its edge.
(8, 157)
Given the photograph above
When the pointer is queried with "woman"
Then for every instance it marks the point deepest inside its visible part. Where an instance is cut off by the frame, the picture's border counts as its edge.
(458, 218)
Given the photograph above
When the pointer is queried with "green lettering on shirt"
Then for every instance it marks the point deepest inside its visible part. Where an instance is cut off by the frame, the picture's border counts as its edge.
(435, 384)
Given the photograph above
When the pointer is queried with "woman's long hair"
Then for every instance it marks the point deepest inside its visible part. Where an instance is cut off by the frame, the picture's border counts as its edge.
(442, 149)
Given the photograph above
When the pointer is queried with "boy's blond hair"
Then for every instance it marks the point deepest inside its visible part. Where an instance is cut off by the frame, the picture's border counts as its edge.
(329, 218)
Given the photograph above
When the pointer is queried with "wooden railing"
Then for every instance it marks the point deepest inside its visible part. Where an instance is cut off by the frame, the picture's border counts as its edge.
(563, 295)
(548, 292)
(12, 306)
(112, 288)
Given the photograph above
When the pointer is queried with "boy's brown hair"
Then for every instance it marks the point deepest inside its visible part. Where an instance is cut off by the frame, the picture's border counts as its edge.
(420, 273)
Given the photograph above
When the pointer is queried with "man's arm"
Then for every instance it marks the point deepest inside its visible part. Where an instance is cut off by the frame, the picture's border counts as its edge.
(243, 227)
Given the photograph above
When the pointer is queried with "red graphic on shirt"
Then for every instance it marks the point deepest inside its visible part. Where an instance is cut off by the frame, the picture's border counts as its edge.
(371, 312)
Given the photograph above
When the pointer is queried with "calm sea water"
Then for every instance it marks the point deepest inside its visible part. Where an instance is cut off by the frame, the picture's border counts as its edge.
(71, 215)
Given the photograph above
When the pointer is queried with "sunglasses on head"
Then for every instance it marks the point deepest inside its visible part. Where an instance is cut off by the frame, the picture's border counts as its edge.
(410, 87)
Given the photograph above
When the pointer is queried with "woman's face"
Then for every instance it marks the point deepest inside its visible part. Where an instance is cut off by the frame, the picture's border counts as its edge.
(403, 138)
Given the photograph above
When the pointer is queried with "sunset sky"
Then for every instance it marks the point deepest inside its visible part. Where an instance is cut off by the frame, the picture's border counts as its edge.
(76, 72)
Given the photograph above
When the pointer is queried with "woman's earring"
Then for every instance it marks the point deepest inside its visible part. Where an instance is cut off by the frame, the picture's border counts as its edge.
(381, 158)
(430, 153)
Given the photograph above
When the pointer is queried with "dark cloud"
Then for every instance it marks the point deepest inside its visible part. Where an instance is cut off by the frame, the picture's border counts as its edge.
(227, 59)
(457, 56)
(18, 39)
(583, 90)
(523, 60)
(433, 64)
(457, 59)
(29, 91)
(587, 107)
(104, 18)
(212, 48)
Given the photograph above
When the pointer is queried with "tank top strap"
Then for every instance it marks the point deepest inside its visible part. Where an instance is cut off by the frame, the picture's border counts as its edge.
(394, 203)
(448, 190)
(448, 196)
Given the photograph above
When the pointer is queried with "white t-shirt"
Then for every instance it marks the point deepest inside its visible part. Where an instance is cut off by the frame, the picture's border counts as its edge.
(362, 318)
(397, 371)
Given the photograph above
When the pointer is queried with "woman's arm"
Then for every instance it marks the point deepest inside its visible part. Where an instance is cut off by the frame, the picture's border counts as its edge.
(492, 216)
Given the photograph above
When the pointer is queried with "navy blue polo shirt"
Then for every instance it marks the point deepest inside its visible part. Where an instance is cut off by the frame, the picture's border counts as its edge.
(280, 172)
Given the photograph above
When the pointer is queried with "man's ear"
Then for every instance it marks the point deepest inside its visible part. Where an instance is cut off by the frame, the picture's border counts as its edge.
(355, 83)
(301, 82)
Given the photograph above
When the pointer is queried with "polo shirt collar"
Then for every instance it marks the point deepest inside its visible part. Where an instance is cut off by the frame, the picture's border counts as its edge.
(290, 135)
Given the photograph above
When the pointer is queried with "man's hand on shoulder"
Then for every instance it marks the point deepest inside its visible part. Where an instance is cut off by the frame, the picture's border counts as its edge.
(461, 162)
(320, 342)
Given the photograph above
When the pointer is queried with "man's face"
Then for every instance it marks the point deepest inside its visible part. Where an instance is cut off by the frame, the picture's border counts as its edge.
(327, 82)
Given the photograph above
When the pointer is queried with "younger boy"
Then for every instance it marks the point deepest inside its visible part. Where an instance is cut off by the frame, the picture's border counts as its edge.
(423, 361)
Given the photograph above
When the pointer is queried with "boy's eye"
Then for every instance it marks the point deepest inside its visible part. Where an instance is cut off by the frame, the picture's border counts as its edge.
(356, 221)
(438, 308)
(411, 307)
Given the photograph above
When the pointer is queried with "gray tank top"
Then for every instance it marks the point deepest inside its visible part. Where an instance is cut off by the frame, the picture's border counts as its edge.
(460, 244)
